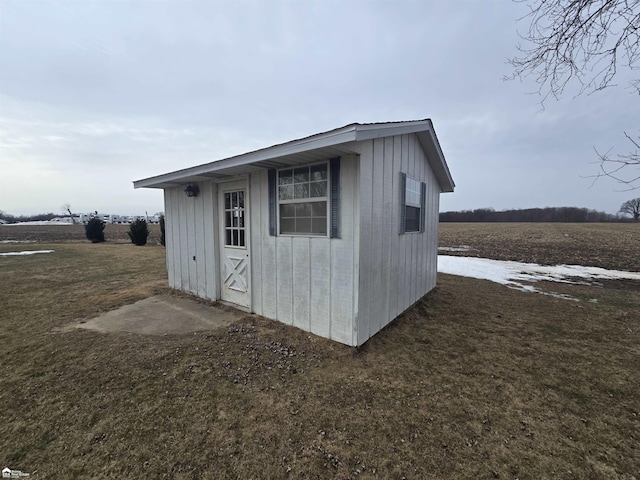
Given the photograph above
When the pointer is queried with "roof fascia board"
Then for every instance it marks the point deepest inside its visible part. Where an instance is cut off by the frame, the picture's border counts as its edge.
(335, 137)
(372, 131)
(430, 144)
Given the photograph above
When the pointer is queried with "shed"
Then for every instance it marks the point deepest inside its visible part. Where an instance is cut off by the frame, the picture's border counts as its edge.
(335, 233)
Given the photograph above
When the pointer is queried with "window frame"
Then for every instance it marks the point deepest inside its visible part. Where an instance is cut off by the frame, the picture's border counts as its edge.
(244, 220)
(326, 199)
(405, 202)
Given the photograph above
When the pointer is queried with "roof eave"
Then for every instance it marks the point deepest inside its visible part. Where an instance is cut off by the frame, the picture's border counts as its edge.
(332, 138)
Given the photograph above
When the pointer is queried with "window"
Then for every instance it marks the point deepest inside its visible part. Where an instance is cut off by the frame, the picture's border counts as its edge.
(412, 204)
(234, 219)
(303, 193)
(305, 200)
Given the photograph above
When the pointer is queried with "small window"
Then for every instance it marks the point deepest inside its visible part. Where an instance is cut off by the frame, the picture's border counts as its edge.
(234, 225)
(412, 205)
(302, 200)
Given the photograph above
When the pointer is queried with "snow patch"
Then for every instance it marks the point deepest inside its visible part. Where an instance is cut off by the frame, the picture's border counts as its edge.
(40, 222)
(461, 248)
(28, 252)
(512, 274)
(17, 241)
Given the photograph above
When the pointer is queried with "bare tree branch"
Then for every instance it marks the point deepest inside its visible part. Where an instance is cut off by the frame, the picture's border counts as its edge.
(583, 41)
(614, 167)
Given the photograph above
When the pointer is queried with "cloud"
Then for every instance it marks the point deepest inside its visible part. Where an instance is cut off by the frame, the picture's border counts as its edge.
(124, 90)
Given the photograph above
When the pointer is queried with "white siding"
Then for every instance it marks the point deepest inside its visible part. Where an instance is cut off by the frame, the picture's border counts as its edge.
(395, 270)
(189, 233)
(346, 288)
(302, 281)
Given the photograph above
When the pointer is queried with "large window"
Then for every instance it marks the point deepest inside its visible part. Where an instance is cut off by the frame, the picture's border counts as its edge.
(302, 200)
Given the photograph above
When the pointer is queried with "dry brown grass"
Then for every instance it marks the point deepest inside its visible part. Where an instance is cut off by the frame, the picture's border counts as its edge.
(116, 233)
(476, 381)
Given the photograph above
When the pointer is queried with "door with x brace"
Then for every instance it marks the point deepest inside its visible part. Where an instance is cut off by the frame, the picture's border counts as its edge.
(234, 241)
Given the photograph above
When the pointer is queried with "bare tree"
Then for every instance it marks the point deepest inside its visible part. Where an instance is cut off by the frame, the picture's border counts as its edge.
(67, 208)
(585, 41)
(631, 207)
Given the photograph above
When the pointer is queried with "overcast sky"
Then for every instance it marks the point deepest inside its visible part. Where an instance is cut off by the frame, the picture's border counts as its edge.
(96, 94)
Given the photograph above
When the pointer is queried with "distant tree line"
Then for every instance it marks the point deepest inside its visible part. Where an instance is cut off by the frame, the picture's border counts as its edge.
(7, 217)
(548, 214)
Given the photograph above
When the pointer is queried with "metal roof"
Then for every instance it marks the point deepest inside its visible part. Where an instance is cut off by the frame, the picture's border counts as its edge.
(332, 143)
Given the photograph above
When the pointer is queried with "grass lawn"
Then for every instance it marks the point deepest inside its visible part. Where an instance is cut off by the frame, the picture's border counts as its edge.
(475, 381)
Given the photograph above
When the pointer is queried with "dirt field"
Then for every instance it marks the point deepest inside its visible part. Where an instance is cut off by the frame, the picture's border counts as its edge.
(476, 381)
(608, 245)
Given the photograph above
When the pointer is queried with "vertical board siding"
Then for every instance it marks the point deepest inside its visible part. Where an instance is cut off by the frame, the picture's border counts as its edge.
(199, 253)
(184, 242)
(307, 282)
(210, 240)
(301, 272)
(432, 247)
(395, 270)
(342, 258)
(267, 281)
(387, 225)
(255, 252)
(320, 298)
(175, 223)
(377, 219)
(168, 237)
(394, 257)
(364, 320)
(189, 232)
(284, 274)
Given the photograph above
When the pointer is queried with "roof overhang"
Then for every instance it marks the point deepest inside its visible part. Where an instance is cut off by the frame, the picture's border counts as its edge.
(333, 143)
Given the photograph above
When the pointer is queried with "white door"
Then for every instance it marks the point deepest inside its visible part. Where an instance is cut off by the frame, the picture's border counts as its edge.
(234, 242)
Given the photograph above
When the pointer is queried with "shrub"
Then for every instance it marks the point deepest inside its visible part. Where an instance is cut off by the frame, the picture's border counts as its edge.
(162, 240)
(138, 232)
(94, 230)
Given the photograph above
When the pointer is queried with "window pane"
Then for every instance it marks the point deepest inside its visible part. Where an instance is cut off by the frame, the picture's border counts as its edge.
(241, 199)
(319, 225)
(286, 192)
(241, 218)
(319, 209)
(235, 237)
(318, 189)
(303, 209)
(227, 201)
(241, 244)
(301, 175)
(234, 199)
(227, 221)
(285, 176)
(413, 192)
(235, 218)
(318, 172)
(301, 190)
(228, 242)
(412, 221)
(287, 225)
(287, 210)
(303, 225)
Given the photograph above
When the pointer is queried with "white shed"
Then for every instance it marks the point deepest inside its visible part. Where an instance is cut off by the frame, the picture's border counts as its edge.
(335, 233)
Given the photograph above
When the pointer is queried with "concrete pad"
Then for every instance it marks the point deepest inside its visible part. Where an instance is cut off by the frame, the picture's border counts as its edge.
(162, 315)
